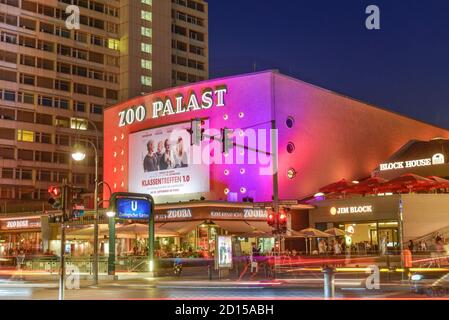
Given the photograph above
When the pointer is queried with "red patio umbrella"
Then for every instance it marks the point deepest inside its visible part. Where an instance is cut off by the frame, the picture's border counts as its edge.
(337, 186)
(440, 182)
(407, 182)
(366, 186)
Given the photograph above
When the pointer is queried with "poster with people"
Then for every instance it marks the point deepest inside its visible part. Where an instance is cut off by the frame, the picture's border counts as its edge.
(224, 252)
(162, 162)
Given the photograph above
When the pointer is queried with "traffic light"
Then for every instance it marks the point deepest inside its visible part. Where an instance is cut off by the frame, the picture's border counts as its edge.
(76, 203)
(271, 219)
(282, 220)
(196, 132)
(55, 199)
(227, 140)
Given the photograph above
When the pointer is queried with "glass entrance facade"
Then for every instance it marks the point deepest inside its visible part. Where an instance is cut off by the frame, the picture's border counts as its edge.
(371, 237)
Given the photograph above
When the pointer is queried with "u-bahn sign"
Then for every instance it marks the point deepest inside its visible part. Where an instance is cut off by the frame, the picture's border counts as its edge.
(133, 209)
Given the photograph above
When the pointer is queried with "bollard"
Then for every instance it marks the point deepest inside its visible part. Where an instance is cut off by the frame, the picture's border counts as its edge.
(329, 282)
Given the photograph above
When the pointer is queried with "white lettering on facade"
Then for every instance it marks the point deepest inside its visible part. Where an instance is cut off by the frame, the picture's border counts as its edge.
(129, 116)
(180, 104)
(177, 214)
(352, 210)
(435, 160)
(16, 224)
(255, 213)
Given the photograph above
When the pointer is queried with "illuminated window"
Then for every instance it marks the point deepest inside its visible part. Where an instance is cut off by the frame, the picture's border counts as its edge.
(146, 15)
(78, 124)
(146, 64)
(147, 32)
(146, 80)
(148, 2)
(146, 48)
(25, 136)
(114, 44)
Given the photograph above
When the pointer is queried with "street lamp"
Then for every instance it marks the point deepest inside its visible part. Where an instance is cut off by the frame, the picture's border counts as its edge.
(79, 154)
(110, 214)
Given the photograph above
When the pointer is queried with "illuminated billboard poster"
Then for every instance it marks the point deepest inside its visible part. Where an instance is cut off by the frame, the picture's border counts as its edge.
(134, 209)
(224, 252)
(162, 162)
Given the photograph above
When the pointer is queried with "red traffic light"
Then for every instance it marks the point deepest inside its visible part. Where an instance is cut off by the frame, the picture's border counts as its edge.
(282, 218)
(271, 219)
(54, 191)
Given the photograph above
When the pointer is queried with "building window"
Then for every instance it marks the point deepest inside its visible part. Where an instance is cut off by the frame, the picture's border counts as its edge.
(96, 109)
(146, 48)
(146, 32)
(25, 136)
(146, 15)
(25, 97)
(7, 173)
(146, 64)
(114, 44)
(80, 106)
(27, 79)
(62, 122)
(9, 95)
(45, 101)
(146, 80)
(78, 124)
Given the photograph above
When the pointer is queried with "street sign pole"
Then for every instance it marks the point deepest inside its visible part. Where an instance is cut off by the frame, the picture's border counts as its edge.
(62, 260)
(111, 258)
(151, 245)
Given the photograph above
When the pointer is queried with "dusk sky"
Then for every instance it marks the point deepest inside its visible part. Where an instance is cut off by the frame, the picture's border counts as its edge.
(403, 67)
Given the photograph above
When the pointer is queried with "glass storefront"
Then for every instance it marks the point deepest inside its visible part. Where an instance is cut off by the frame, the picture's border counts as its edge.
(13, 243)
(371, 237)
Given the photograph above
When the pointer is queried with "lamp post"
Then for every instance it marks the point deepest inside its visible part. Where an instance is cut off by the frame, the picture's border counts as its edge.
(79, 155)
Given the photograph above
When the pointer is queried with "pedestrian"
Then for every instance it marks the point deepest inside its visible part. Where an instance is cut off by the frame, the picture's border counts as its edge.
(337, 248)
(411, 245)
(321, 247)
(423, 246)
(255, 250)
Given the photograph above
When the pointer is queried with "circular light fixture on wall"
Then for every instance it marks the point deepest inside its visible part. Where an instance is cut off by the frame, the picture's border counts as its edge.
(226, 117)
(241, 115)
(291, 173)
(290, 122)
(242, 171)
(291, 147)
(226, 191)
(226, 172)
(243, 190)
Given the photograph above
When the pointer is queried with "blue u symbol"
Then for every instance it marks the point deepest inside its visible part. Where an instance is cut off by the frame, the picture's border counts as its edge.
(134, 205)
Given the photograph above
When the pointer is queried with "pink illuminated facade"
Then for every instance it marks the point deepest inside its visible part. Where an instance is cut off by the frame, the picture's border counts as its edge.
(322, 136)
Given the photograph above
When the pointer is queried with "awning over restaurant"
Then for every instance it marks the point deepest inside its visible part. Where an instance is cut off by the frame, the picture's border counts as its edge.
(164, 232)
(180, 227)
(235, 227)
(260, 226)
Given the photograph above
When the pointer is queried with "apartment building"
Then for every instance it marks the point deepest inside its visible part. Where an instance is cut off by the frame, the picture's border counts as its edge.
(55, 82)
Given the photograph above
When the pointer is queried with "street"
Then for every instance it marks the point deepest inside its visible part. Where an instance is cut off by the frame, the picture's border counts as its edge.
(169, 288)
